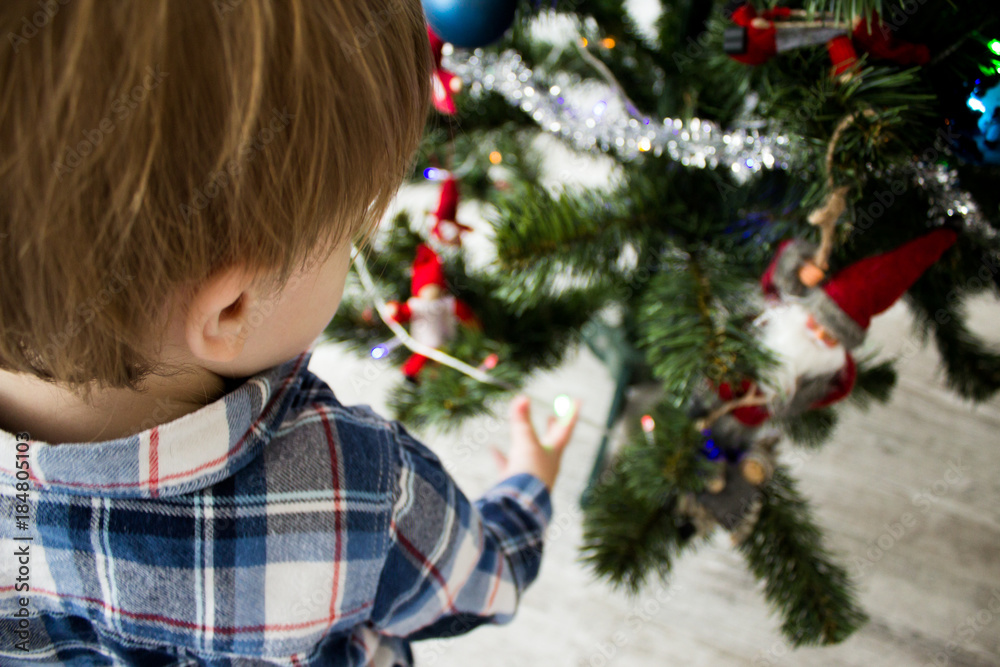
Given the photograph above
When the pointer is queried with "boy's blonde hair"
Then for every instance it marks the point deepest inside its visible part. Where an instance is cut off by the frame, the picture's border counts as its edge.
(147, 145)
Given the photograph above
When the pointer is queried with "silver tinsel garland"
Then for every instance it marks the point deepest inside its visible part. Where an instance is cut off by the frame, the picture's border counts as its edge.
(608, 125)
(947, 199)
(607, 121)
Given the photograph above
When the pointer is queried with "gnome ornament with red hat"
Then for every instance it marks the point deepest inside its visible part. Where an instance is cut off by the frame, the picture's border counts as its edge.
(759, 36)
(445, 84)
(432, 313)
(446, 228)
(811, 332)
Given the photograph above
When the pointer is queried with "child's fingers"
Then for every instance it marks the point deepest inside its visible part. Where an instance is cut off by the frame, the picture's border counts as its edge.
(520, 419)
(499, 459)
(560, 430)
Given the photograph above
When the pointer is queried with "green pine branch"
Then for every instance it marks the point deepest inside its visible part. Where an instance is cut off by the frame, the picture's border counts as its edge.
(444, 397)
(693, 325)
(874, 383)
(626, 539)
(631, 528)
(811, 428)
(813, 594)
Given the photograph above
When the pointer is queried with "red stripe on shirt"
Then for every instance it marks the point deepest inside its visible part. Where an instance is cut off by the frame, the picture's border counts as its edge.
(337, 519)
(31, 474)
(154, 461)
(427, 564)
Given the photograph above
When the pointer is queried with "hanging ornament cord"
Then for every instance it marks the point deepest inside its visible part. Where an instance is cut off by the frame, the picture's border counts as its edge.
(826, 216)
(608, 77)
(433, 353)
(410, 342)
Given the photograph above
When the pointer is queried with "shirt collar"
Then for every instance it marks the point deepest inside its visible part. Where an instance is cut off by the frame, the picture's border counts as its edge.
(184, 455)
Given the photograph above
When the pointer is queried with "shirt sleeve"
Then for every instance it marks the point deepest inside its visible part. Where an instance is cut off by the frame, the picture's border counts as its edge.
(453, 564)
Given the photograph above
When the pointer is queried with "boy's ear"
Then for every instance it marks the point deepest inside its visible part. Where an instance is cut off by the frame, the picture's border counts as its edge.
(216, 325)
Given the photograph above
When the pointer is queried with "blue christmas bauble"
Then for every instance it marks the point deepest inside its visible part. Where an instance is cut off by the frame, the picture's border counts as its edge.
(470, 23)
(975, 126)
(986, 103)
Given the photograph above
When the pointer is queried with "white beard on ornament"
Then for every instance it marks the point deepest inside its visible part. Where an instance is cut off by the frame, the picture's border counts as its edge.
(800, 354)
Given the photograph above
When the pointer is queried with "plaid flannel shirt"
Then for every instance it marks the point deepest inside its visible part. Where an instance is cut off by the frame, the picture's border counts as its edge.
(274, 526)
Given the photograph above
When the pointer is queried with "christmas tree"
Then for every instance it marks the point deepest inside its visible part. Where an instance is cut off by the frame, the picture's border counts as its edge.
(783, 174)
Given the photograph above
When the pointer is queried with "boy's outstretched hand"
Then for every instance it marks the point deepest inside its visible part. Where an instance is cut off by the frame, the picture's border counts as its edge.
(529, 454)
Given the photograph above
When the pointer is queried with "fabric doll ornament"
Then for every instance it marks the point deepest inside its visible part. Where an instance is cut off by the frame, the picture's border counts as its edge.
(431, 312)
(445, 83)
(446, 228)
(731, 497)
(812, 336)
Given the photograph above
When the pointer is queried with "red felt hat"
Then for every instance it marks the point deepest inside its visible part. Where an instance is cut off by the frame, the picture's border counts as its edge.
(437, 44)
(445, 84)
(448, 203)
(427, 270)
(850, 299)
(842, 54)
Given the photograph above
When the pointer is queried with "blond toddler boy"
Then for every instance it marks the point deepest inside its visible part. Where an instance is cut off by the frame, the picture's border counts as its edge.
(180, 187)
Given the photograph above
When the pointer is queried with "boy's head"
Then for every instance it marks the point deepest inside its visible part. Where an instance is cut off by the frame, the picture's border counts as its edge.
(169, 166)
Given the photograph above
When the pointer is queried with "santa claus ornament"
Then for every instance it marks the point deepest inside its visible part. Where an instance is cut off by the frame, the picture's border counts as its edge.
(432, 313)
(811, 330)
(759, 36)
(446, 228)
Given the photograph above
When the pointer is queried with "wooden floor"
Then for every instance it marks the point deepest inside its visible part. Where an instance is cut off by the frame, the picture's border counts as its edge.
(908, 493)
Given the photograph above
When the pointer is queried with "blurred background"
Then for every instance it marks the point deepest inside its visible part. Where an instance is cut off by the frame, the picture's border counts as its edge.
(603, 191)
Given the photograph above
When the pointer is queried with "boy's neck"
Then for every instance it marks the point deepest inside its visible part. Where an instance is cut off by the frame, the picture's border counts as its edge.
(54, 414)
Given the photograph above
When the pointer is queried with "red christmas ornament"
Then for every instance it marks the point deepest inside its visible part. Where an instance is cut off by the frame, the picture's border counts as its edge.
(446, 228)
(847, 302)
(431, 312)
(761, 35)
(446, 84)
(815, 366)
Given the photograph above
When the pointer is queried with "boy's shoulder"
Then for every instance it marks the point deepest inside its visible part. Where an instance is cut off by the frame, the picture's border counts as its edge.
(357, 433)
(287, 495)
(320, 443)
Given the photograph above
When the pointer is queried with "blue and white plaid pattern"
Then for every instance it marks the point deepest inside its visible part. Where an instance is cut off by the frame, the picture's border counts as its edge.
(272, 527)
